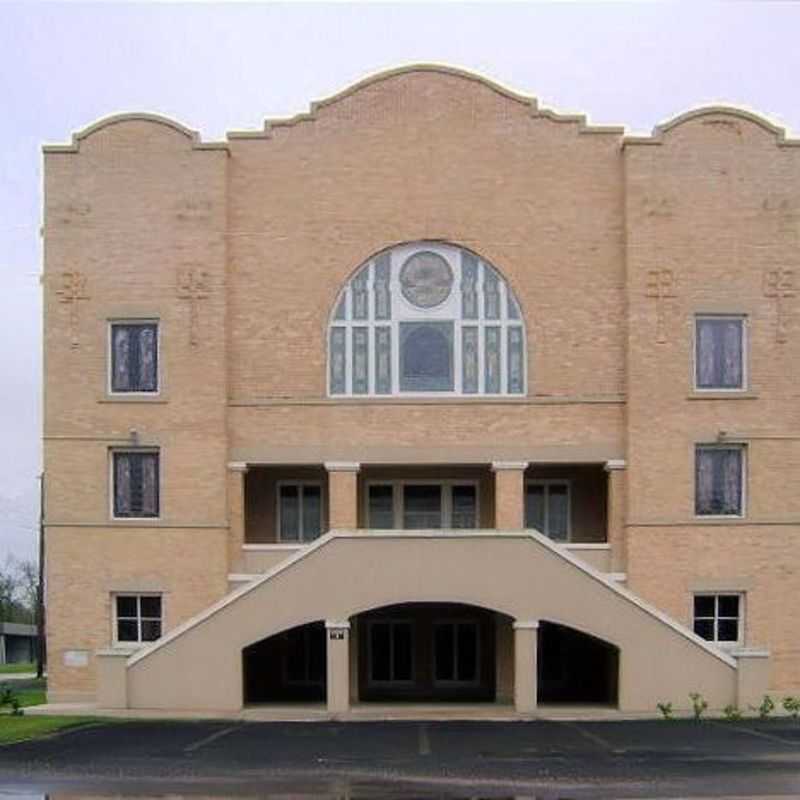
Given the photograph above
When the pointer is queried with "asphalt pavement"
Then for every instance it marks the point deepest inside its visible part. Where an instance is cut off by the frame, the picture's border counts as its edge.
(544, 760)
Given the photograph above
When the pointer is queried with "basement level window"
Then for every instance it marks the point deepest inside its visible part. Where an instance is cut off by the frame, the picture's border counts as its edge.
(134, 357)
(138, 618)
(718, 617)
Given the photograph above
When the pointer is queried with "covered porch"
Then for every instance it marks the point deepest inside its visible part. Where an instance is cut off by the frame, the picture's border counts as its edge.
(278, 509)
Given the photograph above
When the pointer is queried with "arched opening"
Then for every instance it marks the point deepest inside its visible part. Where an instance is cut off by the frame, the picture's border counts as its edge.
(426, 652)
(574, 667)
(289, 667)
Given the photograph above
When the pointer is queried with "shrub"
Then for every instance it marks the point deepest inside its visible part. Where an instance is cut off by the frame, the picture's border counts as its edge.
(665, 709)
(792, 706)
(732, 713)
(765, 707)
(8, 697)
(699, 705)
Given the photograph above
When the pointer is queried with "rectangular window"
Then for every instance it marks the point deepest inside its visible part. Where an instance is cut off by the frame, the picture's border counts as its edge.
(547, 508)
(299, 511)
(381, 507)
(719, 480)
(718, 617)
(136, 484)
(391, 652)
(134, 357)
(138, 618)
(719, 353)
(455, 647)
(420, 505)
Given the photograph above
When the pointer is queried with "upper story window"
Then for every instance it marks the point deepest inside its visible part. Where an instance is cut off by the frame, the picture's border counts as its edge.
(135, 475)
(426, 318)
(134, 357)
(299, 511)
(419, 505)
(719, 480)
(547, 508)
(720, 353)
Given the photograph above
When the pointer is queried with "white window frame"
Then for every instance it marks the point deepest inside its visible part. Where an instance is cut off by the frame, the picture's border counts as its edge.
(449, 310)
(744, 320)
(115, 618)
(742, 447)
(455, 682)
(716, 594)
(447, 500)
(110, 356)
(301, 484)
(392, 622)
(546, 483)
(112, 486)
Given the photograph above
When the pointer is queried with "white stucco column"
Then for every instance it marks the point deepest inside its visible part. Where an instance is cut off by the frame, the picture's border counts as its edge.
(342, 495)
(616, 534)
(338, 652)
(509, 495)
(526, 683)
(237, 475)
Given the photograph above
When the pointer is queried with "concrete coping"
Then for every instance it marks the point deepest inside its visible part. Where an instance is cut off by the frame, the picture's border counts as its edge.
(337, 625)
(115, 652)
(526, 624)
(615, 463)
(237, 466)
(498, 466)
(750, 652)
(342, 466)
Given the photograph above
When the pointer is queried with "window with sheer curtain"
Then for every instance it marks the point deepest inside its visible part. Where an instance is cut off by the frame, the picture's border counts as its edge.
(719, 352)
(719, 480)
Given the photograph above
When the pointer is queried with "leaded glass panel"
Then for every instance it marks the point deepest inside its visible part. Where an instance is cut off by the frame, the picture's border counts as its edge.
(338, 360)
(515, 365)
(491, 293)
(360, 297)
(383, 303)
(491, 359)
(383, 360)
(360, 360)
(426, 356)
(469, 284)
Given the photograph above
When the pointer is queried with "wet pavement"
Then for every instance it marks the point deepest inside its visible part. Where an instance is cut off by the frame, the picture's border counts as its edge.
(544, 760)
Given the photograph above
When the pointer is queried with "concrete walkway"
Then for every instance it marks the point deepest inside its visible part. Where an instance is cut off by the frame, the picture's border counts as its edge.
(17, 676)
(366, 712)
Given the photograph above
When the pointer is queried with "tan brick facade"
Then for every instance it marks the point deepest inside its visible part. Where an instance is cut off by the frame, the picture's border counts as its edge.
(239, 249)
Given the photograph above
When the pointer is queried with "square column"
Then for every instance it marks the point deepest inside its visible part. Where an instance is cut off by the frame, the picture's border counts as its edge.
(526, 679)
(342, 495)
(338, 657)
(509, 495)
(237, 474)
(616, 534)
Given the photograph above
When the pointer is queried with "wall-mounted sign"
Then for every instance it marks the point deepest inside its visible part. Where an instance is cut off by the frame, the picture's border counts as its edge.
(76, 658)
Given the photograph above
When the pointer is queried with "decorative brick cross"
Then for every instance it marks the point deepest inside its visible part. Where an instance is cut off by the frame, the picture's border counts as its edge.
(779, 286)
(661, 287)
(193, 287)
(72, 291)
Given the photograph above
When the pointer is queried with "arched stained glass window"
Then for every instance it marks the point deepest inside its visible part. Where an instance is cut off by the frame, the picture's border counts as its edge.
(426, 318)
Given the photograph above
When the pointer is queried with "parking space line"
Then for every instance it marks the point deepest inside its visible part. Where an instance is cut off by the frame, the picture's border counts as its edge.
(592, 737)
(208, 739)
(760, 734)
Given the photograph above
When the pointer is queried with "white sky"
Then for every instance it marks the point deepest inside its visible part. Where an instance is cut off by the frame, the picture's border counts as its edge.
(225, 67)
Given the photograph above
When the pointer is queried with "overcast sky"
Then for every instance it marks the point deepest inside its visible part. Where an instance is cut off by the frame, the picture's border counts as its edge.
(226, 67)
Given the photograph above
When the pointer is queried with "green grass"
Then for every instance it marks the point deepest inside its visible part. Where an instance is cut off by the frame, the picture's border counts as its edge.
(18, 729)
(29, 693)
(12, 669)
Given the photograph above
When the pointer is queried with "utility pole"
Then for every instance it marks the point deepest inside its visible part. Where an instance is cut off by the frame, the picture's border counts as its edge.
(41, 652)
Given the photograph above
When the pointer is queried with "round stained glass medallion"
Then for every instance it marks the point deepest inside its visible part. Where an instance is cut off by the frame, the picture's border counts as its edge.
(426, 279)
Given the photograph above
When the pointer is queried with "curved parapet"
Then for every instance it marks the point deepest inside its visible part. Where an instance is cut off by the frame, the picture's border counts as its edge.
(199, 664)
(715, 114)
(530, 104)
(135, 117)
